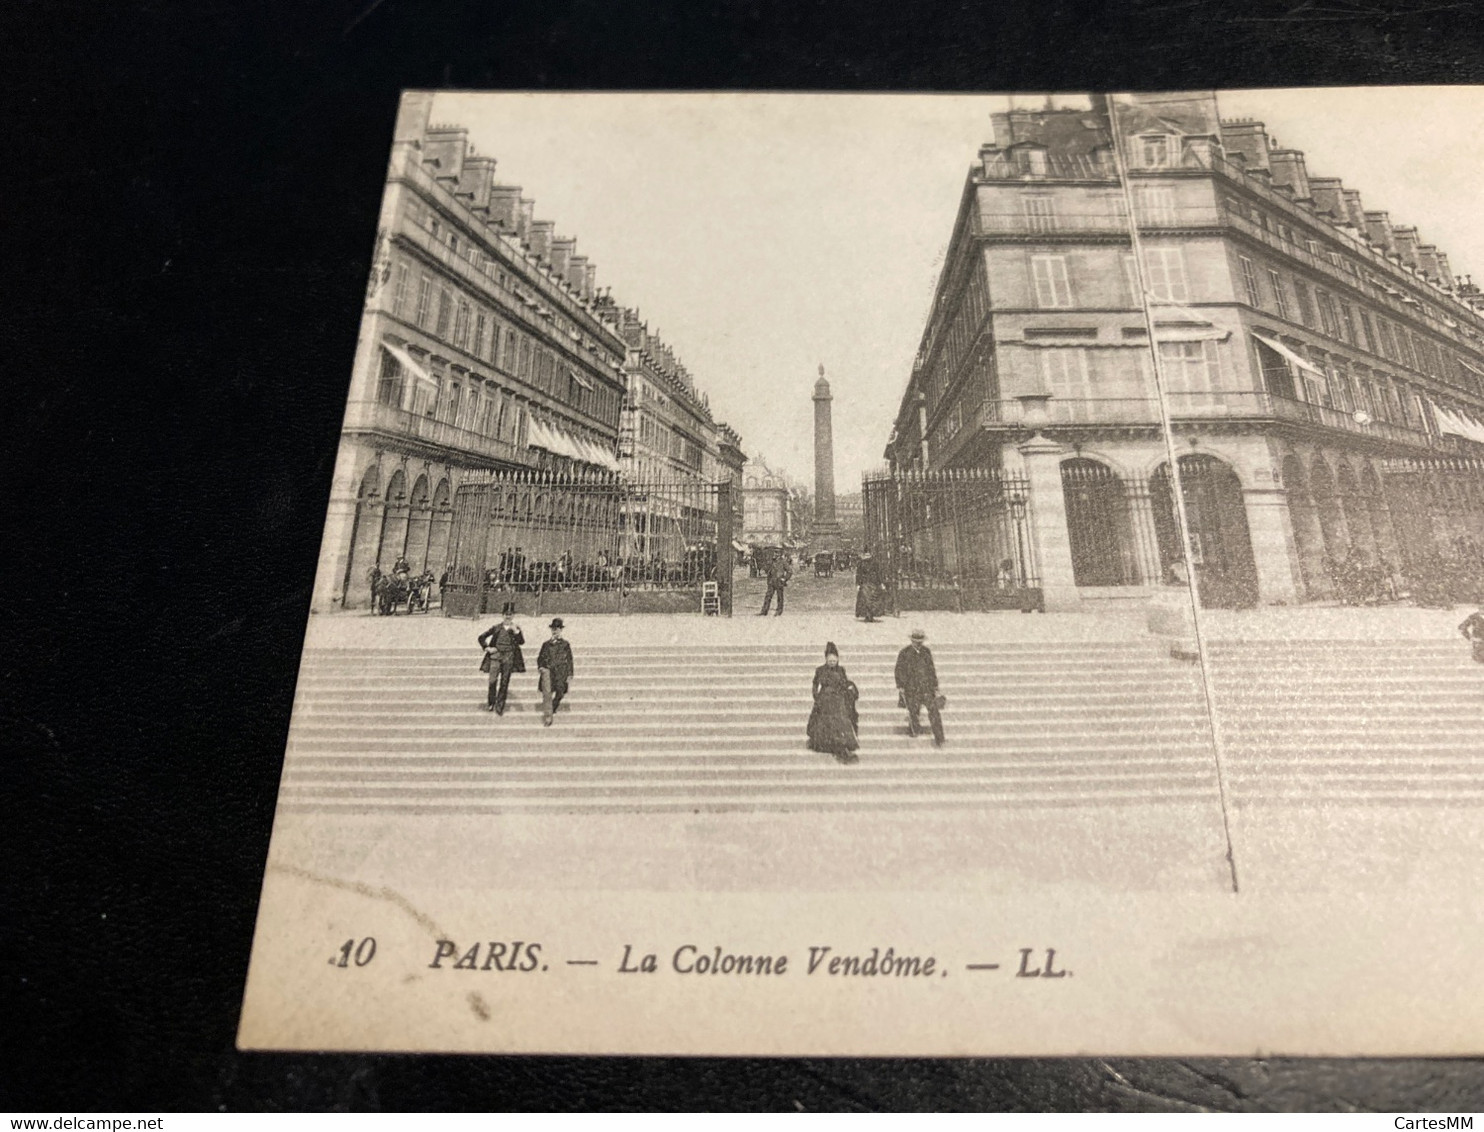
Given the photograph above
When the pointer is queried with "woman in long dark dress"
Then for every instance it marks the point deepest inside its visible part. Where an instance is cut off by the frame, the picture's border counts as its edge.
(833, 722)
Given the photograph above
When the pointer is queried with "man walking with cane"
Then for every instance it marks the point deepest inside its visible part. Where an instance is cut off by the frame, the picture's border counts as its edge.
(554, 662)
(502, 656)
(917, 686)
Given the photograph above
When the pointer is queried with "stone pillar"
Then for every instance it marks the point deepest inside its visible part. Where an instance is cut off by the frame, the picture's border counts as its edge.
(1143, 533)
(1273, 548)
(337, 553)
(826, 532)
(1051, 548)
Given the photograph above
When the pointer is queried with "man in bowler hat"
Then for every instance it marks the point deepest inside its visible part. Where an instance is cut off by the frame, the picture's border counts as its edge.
(501, 643)
(778, 576)
(917, 685)
(554, 662)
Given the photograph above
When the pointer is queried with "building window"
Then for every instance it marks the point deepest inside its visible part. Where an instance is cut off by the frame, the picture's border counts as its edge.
(1064, 373)
(1189, 367)
(1050, 274)
(461, 325)
(1305, 302)
(1032, 161)
(479, 341)
(1040, 213)
(399, 291)
(1280, 300)
(1367, 334)
(1388, 343)
(445, 310)
(424, 300)
(1157, 205)
(389, 384)
(1164, 268)
(1154, 151)
(1131, 278)
(1249, 281)
(1328, 321)
(1340, 385)
(1347, 323)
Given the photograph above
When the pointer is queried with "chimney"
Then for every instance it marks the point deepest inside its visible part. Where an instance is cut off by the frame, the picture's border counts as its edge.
(444, 147)
(540, 237)
(1444, 272)
(577, 273)
(1427, 259)
(590, 284)
(1354, 212)
(478, 179)
(413, 113)
(504, 206)
(524, 217)
(1378, 231)
(1406, 245)
(1247, 139)
(1289, 172)
(561, 253)
(1329, 197)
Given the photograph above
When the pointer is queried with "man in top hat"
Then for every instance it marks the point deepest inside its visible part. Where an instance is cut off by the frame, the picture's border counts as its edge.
(554, 662)
(917, 685)
(501, 643)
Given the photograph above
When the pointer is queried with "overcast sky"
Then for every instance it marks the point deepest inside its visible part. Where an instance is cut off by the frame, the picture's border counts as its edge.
(764, 235)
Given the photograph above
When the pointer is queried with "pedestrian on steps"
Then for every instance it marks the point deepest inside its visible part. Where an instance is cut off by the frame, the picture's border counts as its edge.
(868, 604)
(502, 656)
(1473, 631)
(917, 686)
(778, 576)
(834, 721)
(554, 663)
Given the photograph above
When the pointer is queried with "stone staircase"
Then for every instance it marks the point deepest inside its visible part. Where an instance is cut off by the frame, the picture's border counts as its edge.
(1379, 722)
(651, 728)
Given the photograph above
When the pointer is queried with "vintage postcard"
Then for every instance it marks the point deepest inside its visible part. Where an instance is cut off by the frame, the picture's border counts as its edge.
(943, 575)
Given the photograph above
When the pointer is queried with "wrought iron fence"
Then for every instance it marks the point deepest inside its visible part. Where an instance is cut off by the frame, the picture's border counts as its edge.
(952, 539)
(588, 543)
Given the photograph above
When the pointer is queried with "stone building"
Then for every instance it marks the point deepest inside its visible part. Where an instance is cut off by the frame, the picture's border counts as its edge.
(1322, 365)
(481, 348)
(766, 505)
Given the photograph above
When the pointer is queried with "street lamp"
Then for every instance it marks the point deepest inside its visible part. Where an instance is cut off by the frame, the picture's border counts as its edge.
(1017, 503)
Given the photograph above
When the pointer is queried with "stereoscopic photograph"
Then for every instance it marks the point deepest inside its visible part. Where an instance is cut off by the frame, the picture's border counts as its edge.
(887, 574)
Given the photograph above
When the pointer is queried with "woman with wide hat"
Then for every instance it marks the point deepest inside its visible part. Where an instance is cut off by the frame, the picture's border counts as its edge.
(834, 721)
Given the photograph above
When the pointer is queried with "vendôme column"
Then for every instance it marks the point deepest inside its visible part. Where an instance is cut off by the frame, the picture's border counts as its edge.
(826, 532)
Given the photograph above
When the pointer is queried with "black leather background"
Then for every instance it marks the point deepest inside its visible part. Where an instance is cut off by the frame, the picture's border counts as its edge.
(189, 201)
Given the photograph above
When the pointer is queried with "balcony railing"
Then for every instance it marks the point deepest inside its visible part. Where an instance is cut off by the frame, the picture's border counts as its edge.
(373, 416)
(1201, 406)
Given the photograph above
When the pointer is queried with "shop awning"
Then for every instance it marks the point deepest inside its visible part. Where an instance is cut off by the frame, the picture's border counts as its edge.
(1458, 424)
(1293, 356)
(577, 377)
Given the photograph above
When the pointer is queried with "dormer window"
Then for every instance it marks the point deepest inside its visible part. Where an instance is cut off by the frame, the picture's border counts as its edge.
(1154, 150)
(1031, 161)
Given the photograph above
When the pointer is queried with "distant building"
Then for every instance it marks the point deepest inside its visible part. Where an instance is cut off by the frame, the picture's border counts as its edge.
(851, 515)
(766, 505)
(1323, 367)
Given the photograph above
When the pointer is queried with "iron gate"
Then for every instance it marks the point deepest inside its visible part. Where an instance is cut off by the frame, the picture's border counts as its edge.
(952, 539)
(555, 543)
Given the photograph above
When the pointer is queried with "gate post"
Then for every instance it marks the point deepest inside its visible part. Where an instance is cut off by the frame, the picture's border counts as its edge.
(1048, 523)
(725, 557)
